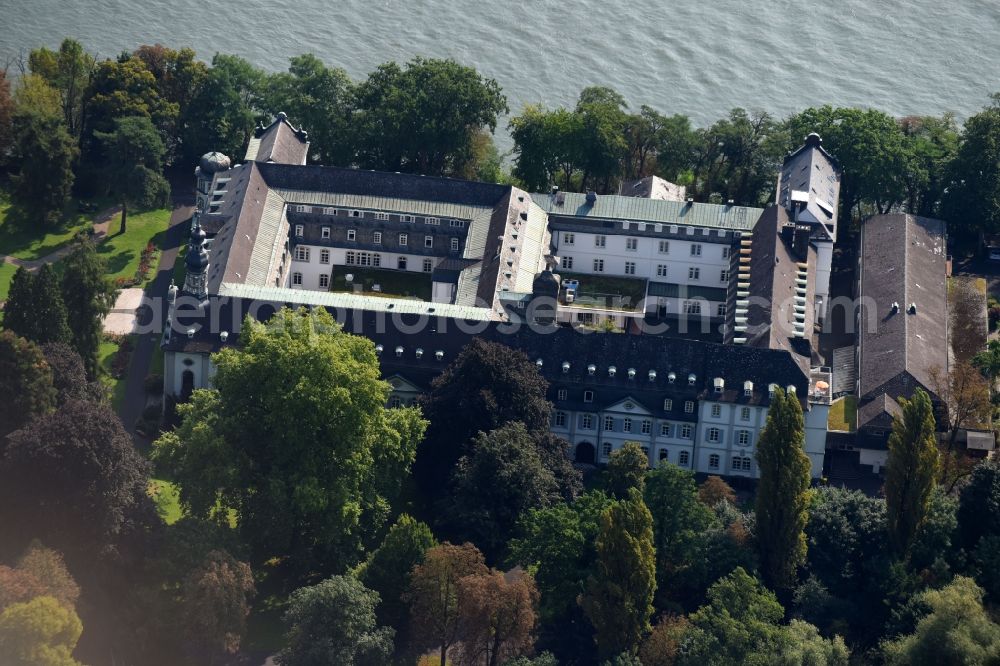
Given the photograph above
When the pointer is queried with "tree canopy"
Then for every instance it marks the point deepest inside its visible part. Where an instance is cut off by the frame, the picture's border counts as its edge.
(911, 470)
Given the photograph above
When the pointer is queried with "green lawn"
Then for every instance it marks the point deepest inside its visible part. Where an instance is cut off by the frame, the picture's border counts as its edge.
(844, 414)
(407, 284)
(105, 356)
(167, 499)
(6, 275)
(122, 251)
(605, 291)
(22, 239)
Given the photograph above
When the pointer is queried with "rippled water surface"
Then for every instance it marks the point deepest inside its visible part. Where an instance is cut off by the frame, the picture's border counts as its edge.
(699, 58)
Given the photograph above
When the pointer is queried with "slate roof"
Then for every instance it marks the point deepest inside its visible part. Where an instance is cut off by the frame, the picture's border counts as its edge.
(278, 142)
(902, 260)
(653, 187)
(432, 332)
(809, 185)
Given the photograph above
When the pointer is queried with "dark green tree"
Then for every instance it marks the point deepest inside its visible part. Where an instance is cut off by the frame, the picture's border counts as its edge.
(6, 117)
(69, 377)
(974, 188)
(783, 492)
(44, 153)
(387, 572)
(35, 309)
(25, 383)
(488, 386)
(133, 165)
(911, 470)
(619, 596)
(501, 478)
(422, 117)
(68, 71)
(89, 296)
(557, 546)
(627, 468)
(311, 470)
(979, 504)
(319, 99)
(333, 622)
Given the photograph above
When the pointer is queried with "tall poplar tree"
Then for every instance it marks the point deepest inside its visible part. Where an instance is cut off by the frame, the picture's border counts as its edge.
(783, 492)
(89, 296)
(911, 470)
(619, 597)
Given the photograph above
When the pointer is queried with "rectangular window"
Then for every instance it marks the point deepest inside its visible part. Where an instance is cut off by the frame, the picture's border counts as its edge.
(632, 244)
(743, 437)
(299, 229)
(407, 218)
(725, 252)
(713, 461)
(324, 281)
(661, 270)
(560, 419)
(745, 414)
(324, 232)
(664, 455)
(695, 249)
(664, 247)
(606, 449)
(302, 209)
(352, 234)
(428, 241)
(569, 239)
(457, 223)
(683, 458)
(401, 263)
(720, 310)
(694, 273)
(377, 238)
(600, 241)
(297, 279)
(714, 434)
(329, 211)
(324, 256)
(567, 263)
(686, 431)
(668, 404)
(688, 406)
(627, 424)
(647, 426)
(454, 245)
(716, 411)
(301, 253)
(609, 423)
(428, 265)
(355, 213)
(349, 258)
(433, 221)
(588, 396)
(666, 430)
(746, 464)
(629, 268)
(598, 265)
(587, 422)
(692, 307)
(402, 239)
(561, 394)
(382, 216)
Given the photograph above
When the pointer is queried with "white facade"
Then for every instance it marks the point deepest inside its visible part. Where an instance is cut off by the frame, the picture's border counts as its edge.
(311, 262)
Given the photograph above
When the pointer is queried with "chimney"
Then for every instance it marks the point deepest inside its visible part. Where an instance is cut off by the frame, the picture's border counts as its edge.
(895, 307)
(913, 308)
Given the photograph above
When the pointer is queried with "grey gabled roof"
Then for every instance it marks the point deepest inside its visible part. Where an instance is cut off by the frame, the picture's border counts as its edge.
(652, 211)
(902, 260)
(278, 142)
(809, 182)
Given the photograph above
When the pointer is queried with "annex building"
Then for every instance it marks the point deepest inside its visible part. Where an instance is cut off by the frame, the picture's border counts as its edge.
(495, 262)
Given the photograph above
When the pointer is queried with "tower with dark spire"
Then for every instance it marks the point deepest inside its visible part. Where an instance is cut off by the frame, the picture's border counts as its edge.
(196, 261)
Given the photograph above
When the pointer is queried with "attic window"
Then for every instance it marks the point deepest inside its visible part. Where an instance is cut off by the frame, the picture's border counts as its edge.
(565, 366)
(399, 351)
(692, 379)
(652, 375)
(631, 373)
(771, 388)
(378, 349)
(538, 363)
(671, 377)
(420, 352)
(439, 354)
(612, 370)
(719, 384)
(748, 389)
(591, 369)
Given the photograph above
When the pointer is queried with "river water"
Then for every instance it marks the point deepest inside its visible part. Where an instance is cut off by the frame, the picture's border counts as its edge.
(697, 58)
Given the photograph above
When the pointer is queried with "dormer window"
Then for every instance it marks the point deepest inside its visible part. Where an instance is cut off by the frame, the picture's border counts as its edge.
(692, 379)
(352, 234)
(378, 349)
(652, 375)
(591, 369)
(299, 230)
(399, 351)
(439, 354)
(419, 352)
(565, 366)
(672, 377)
(719, 384)
(747, 389)
(324, 232)
(791, 388)
(631, 373)
(612, 370)
(539, 363)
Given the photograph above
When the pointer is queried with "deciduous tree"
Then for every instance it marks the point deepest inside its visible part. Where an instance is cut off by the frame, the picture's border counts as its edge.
(215, 603)
(619, 596)
(333, 622)
(6, 117)
(437, 608)
(714, 490)
(68, 71)
(296, 439)
(911, 470)
(783, 492)
(133, 163)
(499, 618)
(25, 383)
(627, 468)
(89, 296)
(40, 632)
